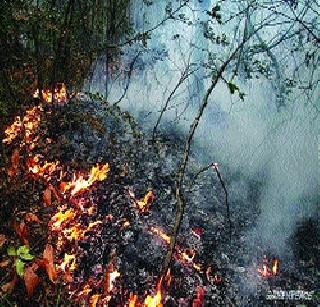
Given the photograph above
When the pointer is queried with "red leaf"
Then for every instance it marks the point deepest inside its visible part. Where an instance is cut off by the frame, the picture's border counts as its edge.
(31, 217)
(47, 197)
(21, 230)
(48, 255)
(31, 279)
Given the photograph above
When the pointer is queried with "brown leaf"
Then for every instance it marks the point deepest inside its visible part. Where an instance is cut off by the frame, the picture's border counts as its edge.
(9, 286)
(47, 197)
(15, 158)
(31, 217)
(21, 230)
(48, 255)
(31, 279)
(3, 239)
(4, 263)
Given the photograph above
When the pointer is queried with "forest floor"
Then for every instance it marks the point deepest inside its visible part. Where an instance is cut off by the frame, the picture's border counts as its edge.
(87, 206)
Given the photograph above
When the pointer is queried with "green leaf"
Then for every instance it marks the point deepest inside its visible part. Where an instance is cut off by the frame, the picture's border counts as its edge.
(19, 267)
(23, 250)
(233, 87)
(11, 251)
(26, 256)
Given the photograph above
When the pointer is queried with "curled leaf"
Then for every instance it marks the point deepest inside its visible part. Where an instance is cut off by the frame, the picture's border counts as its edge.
(48, 256)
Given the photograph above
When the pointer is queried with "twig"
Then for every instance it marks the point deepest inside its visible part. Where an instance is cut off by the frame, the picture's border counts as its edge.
(128, 79)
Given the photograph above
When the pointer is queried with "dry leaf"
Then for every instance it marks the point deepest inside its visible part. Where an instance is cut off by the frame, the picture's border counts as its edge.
(48, 255)
(4, 263)
(9, 286)
(3, 239)
(31, 279)
(31, 217)
(47, 197)
(21, 230)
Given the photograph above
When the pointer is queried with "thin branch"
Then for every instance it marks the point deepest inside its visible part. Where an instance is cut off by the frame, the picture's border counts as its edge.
(128, 79)
(185, 75)
(181, 171)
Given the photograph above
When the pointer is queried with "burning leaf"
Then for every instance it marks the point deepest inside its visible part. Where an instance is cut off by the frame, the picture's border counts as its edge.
(3, 239)
(48, 255)
(31, 279)
(31, 217)
(97, 173)
(9, 286)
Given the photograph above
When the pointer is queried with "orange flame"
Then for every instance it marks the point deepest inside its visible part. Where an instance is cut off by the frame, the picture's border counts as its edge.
(69, 262)
(133, 300)
(264, 270)
(144, 204)
(275, 266)
(60, 94)
(29, 123)
(154, 301)
(97, 173)
(161, 234)
(61, 217)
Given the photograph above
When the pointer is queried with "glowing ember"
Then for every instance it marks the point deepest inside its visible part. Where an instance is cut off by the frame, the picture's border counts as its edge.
(144, 204)
(198, 301)
(28, 125)
(61, 217)
(69, 262)
(60, 94)
(97, 173)
(161, 234)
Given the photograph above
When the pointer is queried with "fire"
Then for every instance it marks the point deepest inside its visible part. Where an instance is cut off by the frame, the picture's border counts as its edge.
(29, 124)
(69, 262)
(144, 204)
(265, 270)
(133, 300)
(275, 266)
(188, 255)
(97, 173)
(60, 94)
(161, 234)
(61, 217)
(154, 301)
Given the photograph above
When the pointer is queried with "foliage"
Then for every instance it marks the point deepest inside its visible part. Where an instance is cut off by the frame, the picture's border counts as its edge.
(21, 254)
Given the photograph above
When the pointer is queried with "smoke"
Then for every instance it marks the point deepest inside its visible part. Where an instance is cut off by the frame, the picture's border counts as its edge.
(252, 138)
